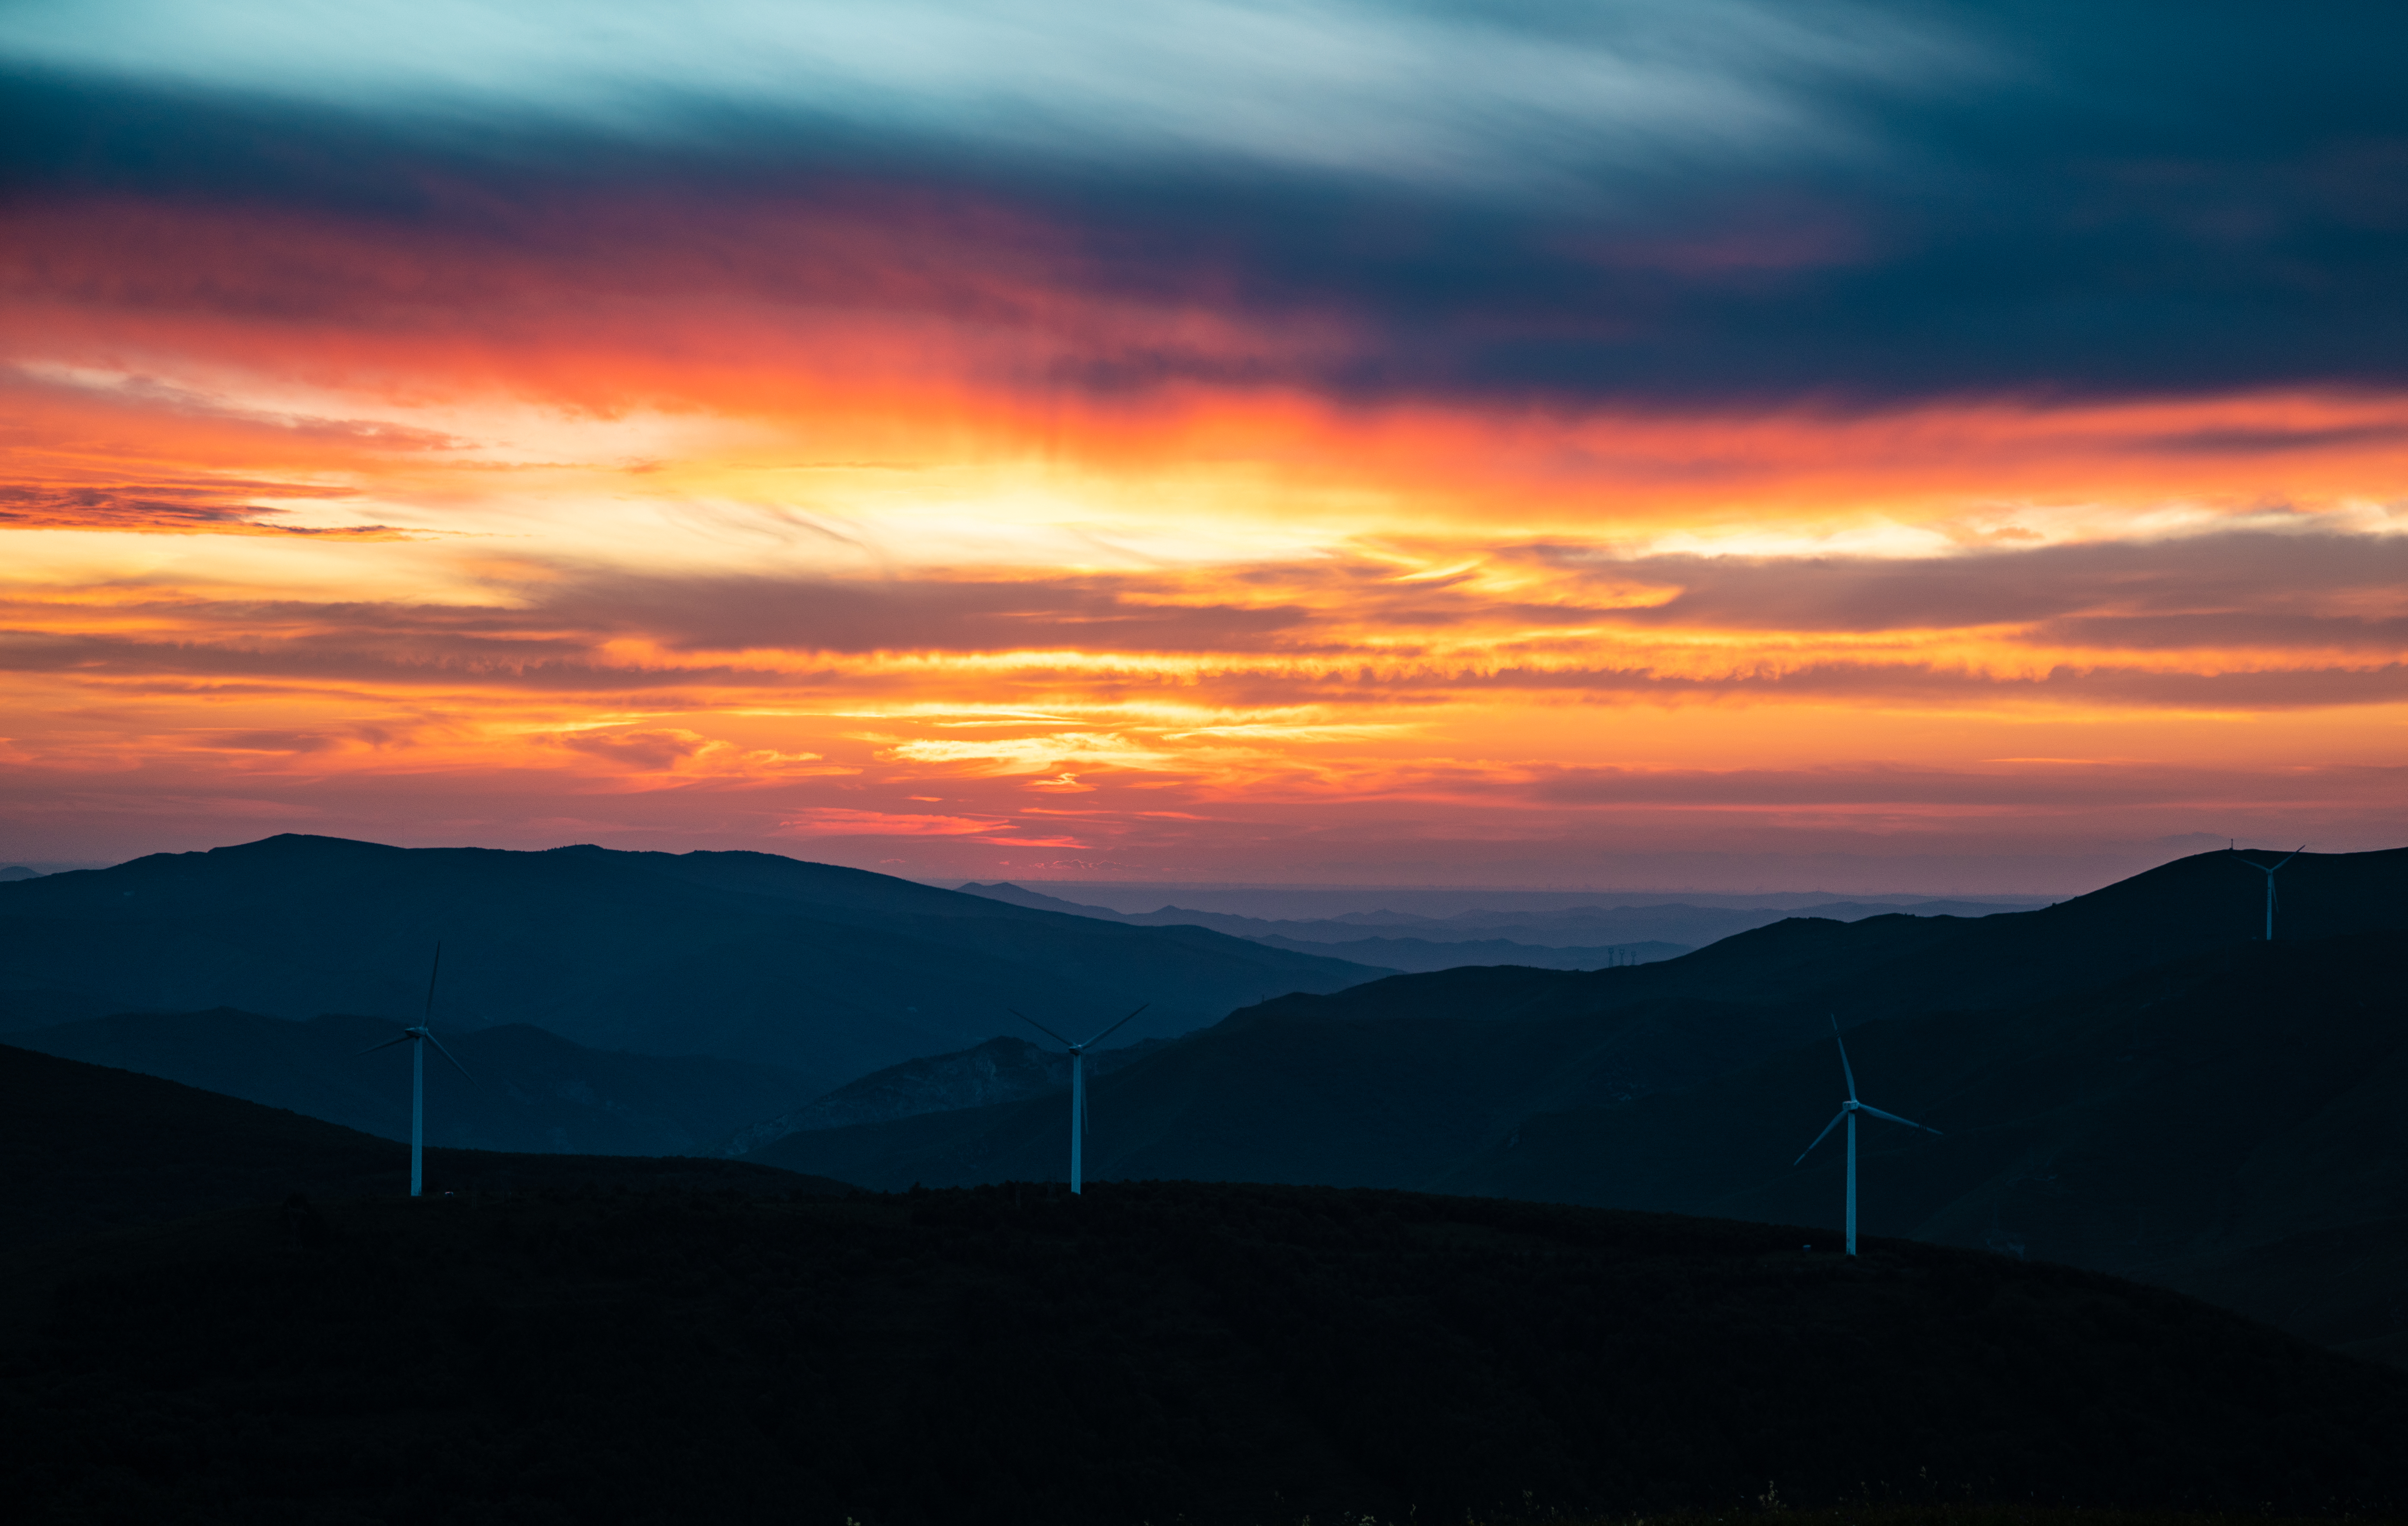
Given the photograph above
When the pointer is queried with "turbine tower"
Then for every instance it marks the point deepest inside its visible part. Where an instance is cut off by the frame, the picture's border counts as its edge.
(2269, 885)
(1078, 1080)
(418, 1039)
(1849, 1110)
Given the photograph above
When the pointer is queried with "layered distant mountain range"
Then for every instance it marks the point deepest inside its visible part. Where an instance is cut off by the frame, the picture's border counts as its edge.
(2133, 1080)
(827, 972)
(1545, 938)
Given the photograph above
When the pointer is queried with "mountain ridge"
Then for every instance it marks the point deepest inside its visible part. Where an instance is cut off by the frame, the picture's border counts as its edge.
(1664, 921)
(830, 971)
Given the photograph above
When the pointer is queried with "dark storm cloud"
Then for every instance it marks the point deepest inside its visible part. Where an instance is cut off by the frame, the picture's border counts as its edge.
(2128, 199)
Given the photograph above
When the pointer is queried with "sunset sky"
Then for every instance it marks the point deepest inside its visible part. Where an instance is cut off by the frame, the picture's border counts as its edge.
(1696, 444)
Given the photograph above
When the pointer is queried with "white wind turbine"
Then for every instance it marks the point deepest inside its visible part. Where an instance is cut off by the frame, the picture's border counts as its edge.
(1849, 1110)
(1078, 1080)
(419, 1038)
(2269, 885)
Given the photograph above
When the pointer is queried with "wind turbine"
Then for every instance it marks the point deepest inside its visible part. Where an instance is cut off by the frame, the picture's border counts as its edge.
(1849, 1110)
(419, 1038)
(1078, 1079)
(2269, 885)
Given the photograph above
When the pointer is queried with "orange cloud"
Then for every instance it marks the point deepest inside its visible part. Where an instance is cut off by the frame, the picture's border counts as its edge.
(832, 821)
(780, 530)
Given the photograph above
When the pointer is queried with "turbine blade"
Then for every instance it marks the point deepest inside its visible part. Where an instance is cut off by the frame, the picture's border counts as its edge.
(447, 1054)
(430, 978)
(1040, 1028)
(1893, 1117)
(1114, 1029)
(387, 1045)
(1819, 1138)
(1844, 1067)
(2288, 857)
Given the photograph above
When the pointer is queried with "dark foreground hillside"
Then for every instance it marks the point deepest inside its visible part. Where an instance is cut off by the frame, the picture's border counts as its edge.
(1150, 1352)
(525, 1089)
(84, 1147)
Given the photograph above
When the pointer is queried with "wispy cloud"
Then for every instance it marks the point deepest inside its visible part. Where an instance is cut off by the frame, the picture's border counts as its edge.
(836, 821)
(1472, 96)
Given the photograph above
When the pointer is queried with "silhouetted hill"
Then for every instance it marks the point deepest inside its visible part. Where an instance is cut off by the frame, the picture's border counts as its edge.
(2235, 1124)
(1002, 1069)
(526, 1090)
(1163, 1352)
(1885, 965)
(830, 971)
(1537, 1083)
(84, 1148)
(2209, 1124)
(1275, 1098)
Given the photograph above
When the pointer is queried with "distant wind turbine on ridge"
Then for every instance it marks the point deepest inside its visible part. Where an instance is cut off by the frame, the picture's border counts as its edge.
(2270, 883)
(419, 1038)
(1849, 1110)
(1078, 1080)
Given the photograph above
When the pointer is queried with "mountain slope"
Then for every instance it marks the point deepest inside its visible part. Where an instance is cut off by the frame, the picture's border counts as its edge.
(525, 1089)
(830, 971)
(1891, 964)
(1002, 1069)
(1403, 1061)
(2235, 1123)
(86, 1148)
(1271, 1098)
(2179, 1126)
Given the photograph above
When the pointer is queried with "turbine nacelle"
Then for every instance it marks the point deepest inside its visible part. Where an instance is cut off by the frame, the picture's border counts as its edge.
(415, 1035)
